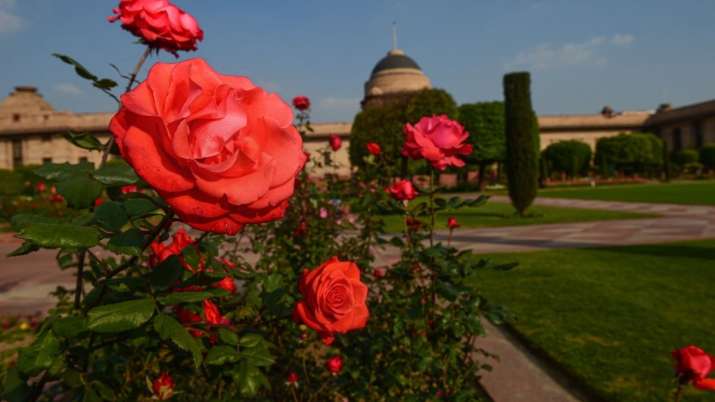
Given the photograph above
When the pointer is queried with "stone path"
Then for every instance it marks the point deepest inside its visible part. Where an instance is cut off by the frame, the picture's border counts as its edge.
(518, 376)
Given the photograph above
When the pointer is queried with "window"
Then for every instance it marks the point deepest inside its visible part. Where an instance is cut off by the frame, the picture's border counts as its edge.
(16, 153)
(677, 139)
(699, 137)
(46, 161)
(16, 117)
(83, 159)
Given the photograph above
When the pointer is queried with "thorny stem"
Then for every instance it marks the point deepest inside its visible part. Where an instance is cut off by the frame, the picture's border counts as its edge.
(80, 279)
(132, 80)
(431, 208)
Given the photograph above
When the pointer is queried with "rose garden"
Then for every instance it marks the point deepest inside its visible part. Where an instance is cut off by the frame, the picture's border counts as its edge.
(212, 263)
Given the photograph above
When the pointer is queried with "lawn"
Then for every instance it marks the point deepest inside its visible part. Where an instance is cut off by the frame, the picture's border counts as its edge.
(494, 214)
(691, 193)
(610, 317)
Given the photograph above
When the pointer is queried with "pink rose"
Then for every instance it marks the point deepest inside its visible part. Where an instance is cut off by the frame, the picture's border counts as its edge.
(402, 190)
(335, 142)
(221, 151)
(159, 23)
(693, 365)
(437, 139)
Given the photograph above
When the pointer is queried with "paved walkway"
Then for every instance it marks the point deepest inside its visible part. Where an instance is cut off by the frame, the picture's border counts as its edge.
(517, 377)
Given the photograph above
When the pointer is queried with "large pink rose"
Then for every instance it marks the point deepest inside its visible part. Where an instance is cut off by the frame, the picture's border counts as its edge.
(437, 139)
(159, 23)
(221, 151)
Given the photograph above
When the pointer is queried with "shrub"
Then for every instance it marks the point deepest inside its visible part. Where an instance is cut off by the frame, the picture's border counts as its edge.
(686, 156)
(630, 153)
(571, 157)
(707, 156)
(485, 123)
(522, 164)
(430, 102)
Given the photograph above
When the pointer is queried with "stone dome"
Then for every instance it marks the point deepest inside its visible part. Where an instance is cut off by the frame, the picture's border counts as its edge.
(395, 73)
(24, 100)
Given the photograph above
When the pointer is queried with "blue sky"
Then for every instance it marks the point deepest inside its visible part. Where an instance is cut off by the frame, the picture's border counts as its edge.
(582, 54)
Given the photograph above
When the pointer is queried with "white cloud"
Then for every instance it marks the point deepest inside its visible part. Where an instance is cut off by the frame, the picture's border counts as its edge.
(9, 22)
(66, 88)
(547, 56)
(342, 104)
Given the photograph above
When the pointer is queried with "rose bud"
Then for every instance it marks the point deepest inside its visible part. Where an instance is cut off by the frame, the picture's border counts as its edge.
(301, 230)
(374, 148)
(212, 315)
(335, 142)
(334, 365)
(413, 224)
(438, 140)
(334, 298)
(53, 190)
(129, 188)
(219, 150)
(40, 187)
(402, 190)
(452, 223)
(227, 284)
(323, 213)
(379, 272)
(292, 379)
(159, 23)
(98, 202)
(693, 365)
(301, 103)
(163, 387)
(161, 251)
(327, 340)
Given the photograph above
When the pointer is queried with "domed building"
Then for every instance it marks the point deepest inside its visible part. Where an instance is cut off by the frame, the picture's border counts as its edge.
(393, 77)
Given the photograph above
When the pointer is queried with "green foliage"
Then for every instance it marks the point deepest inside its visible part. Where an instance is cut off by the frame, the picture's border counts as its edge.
(630, 153)
(686, 156)
(430, 102)
(485, 123)
(571, 157)
(707, 156)
(522, 145)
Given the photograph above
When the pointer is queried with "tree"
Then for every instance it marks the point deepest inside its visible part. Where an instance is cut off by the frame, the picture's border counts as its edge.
(571, 157)
(430, 102)
(485, 123)
(522, 158)
(630, 153)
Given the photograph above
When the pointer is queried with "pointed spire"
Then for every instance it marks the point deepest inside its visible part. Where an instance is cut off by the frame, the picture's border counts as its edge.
(394, 35)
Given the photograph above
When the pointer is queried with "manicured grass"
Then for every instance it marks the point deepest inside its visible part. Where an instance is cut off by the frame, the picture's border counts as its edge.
(494, 214)
(691, 193)
(610, 317)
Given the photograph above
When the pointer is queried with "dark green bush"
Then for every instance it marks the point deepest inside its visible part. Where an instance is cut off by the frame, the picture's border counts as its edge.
(630, 153)
(485, 123)
(430, 102)
(707, 156)
(522, 134)
(686, 156)
(571, 157)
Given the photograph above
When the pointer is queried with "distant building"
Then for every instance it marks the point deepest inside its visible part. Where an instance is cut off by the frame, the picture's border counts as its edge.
(31, 130)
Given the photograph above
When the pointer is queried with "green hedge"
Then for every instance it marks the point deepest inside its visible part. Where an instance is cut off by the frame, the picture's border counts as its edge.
(485, 123)
(571, 157)
(686, 156)
(707, 156)
(629, 153)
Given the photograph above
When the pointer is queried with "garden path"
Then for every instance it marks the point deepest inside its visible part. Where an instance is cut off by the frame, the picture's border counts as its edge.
(26, 281)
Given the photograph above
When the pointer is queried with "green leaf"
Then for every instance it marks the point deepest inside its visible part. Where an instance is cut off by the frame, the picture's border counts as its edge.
(69, 327)
(104, 391)
(227, 336)
(250, 379)
(84, 140)
(116, 173)
(128, 242)
(40, 355)
(50, 235)
(222, 354)
(19, 221)
(78, 68)
(14, 388)
(62, 171)
(111, 216)
(120, 317)
(80, 191)
(167, 273)
(250, 340)
(184, 297)
(27, 247)
(168, 328)
(105, 83)
(136, 207)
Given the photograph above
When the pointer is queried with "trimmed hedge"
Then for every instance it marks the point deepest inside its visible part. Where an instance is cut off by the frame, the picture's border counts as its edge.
(707, 156)
(686, 157)
(485, 123)
(630, 153)
(522, 133)
(571, 157)
(429, 102)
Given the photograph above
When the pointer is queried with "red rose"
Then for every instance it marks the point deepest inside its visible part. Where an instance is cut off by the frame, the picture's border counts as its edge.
(221, 151)
(335, 142)
(379, 272)
(226, 284)
(40, 187)
(373, 148)
(437, 139)
(57, 198)
(163, 387)
(292, 378)
(333, 298)
(98, 202)
(334, 364)
(693, 365)
(212, 315)
(129, 188)
(159, 23)
(452, 223)
(402, 190)
(301, 103)
(161, 251)
(227, 263)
